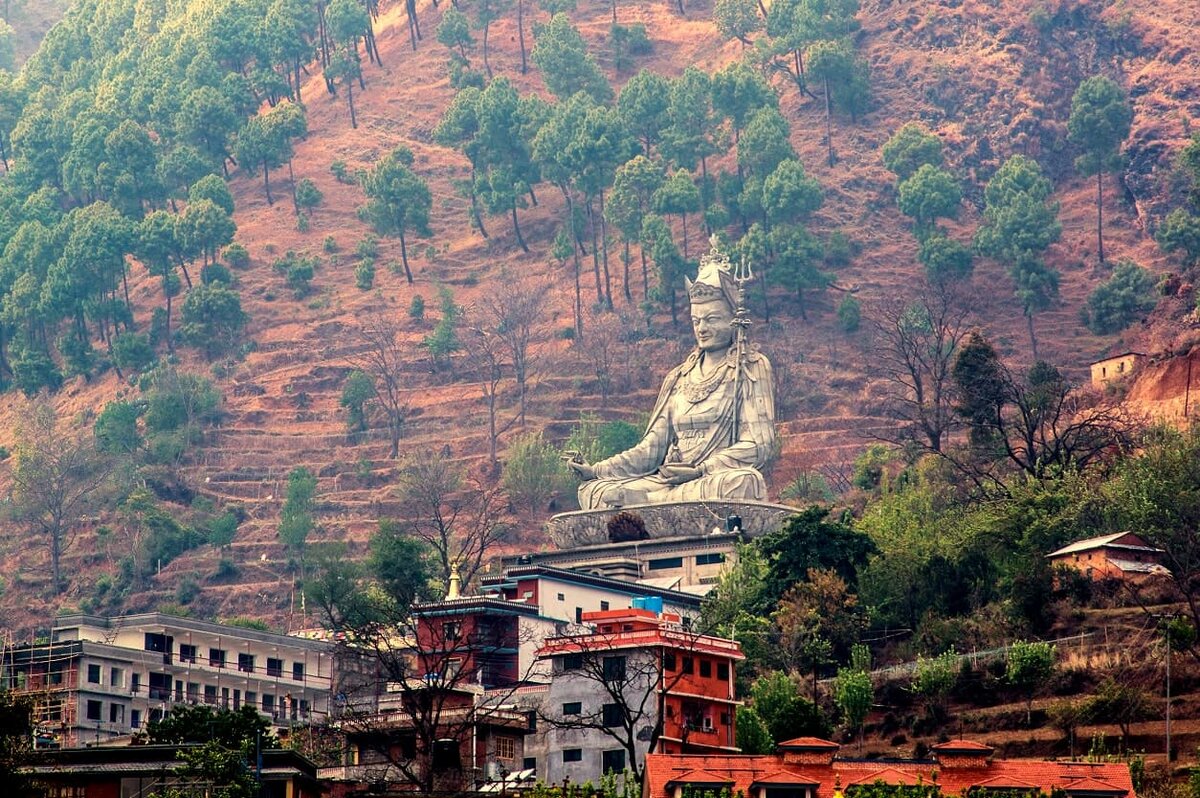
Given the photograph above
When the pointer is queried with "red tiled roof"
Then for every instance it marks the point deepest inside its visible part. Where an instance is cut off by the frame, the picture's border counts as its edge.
(888, 776)
(956, 746)
(787, 777)
(742, 771)
(1092, 785)
(807, 742)
(699, 777)
(1005, 783)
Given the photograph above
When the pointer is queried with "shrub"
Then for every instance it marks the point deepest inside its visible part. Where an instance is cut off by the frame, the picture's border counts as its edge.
(215, 273)
(416, 308)
(308, 196)
(116, 428)
(849, 314)
(838, 249)
(364, 275)
(298, 271)
(367, 247)
(1124, 298)
(187, 590)
(338, 168)
(236, 256)
(330, 246)
(302, 222)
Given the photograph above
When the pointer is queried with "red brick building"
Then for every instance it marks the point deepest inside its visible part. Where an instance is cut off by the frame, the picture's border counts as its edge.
(808, 767)
(1122, 555)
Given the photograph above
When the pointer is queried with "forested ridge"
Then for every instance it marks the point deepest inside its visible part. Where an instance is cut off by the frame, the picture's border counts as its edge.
(267, 272)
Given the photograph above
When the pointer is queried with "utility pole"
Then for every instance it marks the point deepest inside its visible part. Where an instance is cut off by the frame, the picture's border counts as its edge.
(1166, 629)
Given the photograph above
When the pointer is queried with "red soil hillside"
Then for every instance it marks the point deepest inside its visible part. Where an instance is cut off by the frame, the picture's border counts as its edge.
(977, 73)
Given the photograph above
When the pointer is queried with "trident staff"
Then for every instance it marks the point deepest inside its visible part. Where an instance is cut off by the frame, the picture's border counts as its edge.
(743, 274)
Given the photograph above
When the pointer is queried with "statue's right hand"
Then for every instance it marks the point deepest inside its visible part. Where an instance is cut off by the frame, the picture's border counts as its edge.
(582, 468)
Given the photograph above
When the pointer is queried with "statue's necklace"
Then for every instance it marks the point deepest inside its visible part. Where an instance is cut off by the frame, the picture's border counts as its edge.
(698, 387)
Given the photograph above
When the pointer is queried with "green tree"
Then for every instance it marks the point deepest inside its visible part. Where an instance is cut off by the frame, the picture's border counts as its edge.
(1029, 667)
(1019, 224)
(1180, 231)
(668, 263)
(212, 319)
(930, 194)
(506, 171)
(853, 694)
(753, 737)
(933, 680)
(398, 201)
(845, 80)
(777, 700)
(158, 248)
(566, 66)
(644, 104)
(635, 183)
(401, 564)
(532, 473)
(295, 516)
(1122, 299)
(454, 32)
(737, 19)
(910, 148)
(810, 540)
(116, 428)
(790, 194)
(16, 749)
(203, 229)
(212, 188)
(945, 260)
(1100, 120)
(738, 91)
(358, 389)
(765, 143)
(678, 195)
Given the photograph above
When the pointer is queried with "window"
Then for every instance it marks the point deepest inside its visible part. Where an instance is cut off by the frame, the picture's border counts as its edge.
(94, 710)
(613, 761)
(116, 713)
(506, 747)
(216, 657)
(561, 597)
(193, 692)
(251, 698)
(187, 653)
(573, 708)
(135, 718)
(225, 697)
(613, 716)
(529, 763)
(665, 563)
(451, 631)
(246, 663)
(298, 671)
(572, 755)
(274, 667)
(723, 671)
(705, 669)
(178, 690)
(604, 606)
(268, 703)
(579, 615)
(93, 674)
(156, 642)
(116, 677)
(724, 718)
(614, 669)
(572, 662)
(710, 559)
(160, 686)
(210, 694)
(669, 661)
(237, 698)
(688, 666)
(136, 684)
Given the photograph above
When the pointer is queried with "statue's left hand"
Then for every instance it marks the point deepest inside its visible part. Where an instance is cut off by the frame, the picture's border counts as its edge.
(676, 474)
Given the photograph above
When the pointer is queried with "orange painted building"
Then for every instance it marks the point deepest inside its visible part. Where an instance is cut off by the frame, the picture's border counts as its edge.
(638, 681)
(808, 767)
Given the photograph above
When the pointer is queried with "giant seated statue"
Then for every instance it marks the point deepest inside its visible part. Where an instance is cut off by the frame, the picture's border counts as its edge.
(713, 426)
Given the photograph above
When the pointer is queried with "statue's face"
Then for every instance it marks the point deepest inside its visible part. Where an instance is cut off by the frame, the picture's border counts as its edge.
(712, 321)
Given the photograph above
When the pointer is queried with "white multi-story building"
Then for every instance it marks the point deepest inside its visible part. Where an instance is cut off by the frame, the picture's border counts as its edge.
(96, 679)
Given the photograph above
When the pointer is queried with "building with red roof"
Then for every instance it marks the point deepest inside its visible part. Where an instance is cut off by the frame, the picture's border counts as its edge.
(808, 767)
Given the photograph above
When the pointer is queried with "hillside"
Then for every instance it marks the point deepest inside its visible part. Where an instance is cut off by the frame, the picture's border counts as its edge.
(30, 19)
(978, 74)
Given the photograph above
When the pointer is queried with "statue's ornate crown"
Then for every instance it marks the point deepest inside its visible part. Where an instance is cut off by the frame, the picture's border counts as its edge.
(714, 279)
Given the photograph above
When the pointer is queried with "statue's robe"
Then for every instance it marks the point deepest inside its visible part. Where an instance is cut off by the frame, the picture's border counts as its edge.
(692, 424)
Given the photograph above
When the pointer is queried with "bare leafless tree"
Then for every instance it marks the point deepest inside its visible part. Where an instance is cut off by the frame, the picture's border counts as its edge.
(604, 349)
(459, 518)
(55, 480)
(917, 340)
(383, 359)
(516, 313)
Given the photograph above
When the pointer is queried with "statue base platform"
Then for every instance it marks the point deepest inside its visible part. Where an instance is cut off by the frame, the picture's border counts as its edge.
(667, 520)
